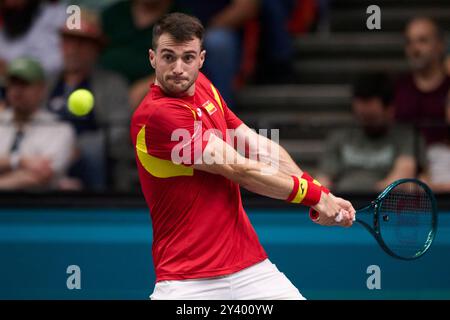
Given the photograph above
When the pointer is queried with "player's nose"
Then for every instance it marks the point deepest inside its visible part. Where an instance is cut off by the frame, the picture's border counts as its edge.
(178, 67)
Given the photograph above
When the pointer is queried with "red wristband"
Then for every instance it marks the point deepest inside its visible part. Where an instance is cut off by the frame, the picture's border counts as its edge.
(307, 177)
(313, 214)
(294, 190)
(304, 192)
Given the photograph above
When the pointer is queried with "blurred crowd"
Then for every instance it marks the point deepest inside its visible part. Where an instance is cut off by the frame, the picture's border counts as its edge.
(43, 60)
(403, 122)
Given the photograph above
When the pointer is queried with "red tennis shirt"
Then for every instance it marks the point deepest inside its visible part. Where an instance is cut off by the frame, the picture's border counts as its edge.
(200, 228)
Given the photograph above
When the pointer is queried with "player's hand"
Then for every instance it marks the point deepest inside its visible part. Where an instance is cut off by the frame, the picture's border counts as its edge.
(346, 206)
(333, 211)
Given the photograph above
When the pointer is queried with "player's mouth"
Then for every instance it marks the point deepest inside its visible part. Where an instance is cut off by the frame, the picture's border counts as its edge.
(177, 79)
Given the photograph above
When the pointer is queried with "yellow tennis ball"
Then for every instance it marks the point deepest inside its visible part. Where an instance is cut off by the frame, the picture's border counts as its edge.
(80, 102)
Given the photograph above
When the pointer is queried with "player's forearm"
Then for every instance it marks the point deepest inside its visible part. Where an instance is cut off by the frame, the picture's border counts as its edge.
(270, 152)
(221, 158)
(287, 164)
(262, 179)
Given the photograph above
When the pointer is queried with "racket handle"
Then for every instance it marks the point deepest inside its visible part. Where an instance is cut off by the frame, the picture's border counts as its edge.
(314, 215)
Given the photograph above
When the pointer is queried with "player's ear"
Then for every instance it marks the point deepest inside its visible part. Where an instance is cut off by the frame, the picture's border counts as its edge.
(152, 57)
(202, 58)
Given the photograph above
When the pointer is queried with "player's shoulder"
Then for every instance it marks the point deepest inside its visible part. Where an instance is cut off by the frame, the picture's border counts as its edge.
(202, 78)
(203, 82)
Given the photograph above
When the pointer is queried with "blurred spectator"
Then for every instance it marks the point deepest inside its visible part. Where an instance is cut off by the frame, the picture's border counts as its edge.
(93, 5)
(420, 95)
(109, 120)
(35, 148)
(224, 21)
(30, 28)
(2, 96)
(447, 62)
(323, 25)
(304, 15)
(276, 47)
(128, 26)
(375, 153)
(438, 159)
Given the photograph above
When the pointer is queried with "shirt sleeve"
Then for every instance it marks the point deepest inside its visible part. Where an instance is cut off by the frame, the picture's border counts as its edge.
(232, 120)
(174, 133)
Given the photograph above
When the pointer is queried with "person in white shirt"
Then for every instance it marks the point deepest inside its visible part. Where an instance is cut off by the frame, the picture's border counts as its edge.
(31, 27)
(35, 148)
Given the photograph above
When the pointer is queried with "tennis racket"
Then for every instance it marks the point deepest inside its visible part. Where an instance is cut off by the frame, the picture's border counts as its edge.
(403, 219)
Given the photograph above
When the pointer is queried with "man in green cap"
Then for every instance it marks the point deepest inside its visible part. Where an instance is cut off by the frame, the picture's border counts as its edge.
(35, 148)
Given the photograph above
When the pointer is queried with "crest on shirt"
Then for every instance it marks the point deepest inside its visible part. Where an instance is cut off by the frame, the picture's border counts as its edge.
(209, 107)
(199, 112)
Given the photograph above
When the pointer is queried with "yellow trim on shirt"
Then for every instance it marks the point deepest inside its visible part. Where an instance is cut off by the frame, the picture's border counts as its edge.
(217, 97)
(159, 168)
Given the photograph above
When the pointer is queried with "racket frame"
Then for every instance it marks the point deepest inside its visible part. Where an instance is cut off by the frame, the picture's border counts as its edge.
(374, 209)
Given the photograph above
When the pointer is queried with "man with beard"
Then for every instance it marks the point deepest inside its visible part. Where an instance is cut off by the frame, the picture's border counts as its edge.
(35, 148)
(375, 153)
(204, 246)
(420, 96)
(437, 173)
(30, 28)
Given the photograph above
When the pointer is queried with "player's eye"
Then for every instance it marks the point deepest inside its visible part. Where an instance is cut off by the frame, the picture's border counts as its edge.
(168, 57)
(189, 58)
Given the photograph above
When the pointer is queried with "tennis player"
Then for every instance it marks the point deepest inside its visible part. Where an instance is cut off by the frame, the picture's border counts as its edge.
(204, 246)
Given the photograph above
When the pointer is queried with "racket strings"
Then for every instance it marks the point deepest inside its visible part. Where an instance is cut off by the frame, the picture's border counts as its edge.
(406, 218)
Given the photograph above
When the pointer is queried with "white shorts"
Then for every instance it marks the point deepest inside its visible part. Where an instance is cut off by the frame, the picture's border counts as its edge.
(262, 281)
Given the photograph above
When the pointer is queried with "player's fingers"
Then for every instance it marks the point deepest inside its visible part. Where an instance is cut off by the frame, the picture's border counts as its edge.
(353, 215)
(326, 220)
(346, 204)
(349, 207)
(344, 218)
(348, 220)
(348, 224)
(339, 216)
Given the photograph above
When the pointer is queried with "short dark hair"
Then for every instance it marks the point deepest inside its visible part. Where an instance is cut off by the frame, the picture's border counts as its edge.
(374, 85)
(180, 26)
